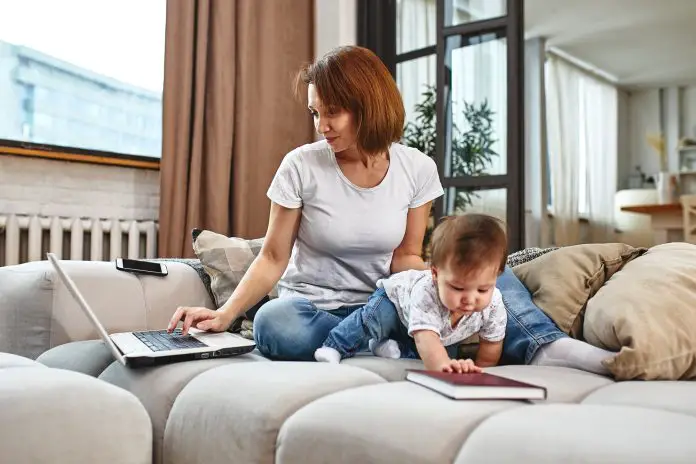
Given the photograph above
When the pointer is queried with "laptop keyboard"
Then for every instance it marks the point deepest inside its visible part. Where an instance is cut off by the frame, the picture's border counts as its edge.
(161, 340)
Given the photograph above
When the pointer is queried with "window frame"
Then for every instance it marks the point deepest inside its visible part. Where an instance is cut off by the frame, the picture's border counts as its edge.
(377, 31)
(56, 152)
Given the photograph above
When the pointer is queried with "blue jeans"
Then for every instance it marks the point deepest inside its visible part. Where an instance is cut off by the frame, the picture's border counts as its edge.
(528, 327)
(293, 328)
(377, 320)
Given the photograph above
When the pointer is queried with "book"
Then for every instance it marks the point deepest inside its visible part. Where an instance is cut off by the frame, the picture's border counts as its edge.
(483, 386)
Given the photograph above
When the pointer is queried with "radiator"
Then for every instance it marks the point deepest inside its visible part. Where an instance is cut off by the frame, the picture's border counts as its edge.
(29, 238)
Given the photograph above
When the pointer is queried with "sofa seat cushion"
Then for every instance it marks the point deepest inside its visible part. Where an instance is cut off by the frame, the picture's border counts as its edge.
(666, 395)
(239, 409)
(391, 370)
(89, 357)
(59, 416)
(563, 384)
(8, 360)
(582, 433)
(158, 387)
(385, 423)
(404, 422)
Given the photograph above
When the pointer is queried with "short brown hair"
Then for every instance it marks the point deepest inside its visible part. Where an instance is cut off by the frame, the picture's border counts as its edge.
(470, 241)
(355, 79)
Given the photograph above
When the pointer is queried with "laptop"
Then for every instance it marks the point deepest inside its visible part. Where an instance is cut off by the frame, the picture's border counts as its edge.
(155, 347)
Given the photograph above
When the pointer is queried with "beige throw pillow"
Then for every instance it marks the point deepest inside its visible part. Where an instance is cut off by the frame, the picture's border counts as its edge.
(225, 260)
(562, 281)
(648, 312)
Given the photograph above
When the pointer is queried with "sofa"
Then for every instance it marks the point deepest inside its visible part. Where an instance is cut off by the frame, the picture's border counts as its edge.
(66, 400)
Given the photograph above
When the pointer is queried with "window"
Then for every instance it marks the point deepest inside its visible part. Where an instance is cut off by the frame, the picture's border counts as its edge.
(459, 66)
(96, 66)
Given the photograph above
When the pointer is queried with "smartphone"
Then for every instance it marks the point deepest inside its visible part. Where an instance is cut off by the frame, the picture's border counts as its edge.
(140, 266)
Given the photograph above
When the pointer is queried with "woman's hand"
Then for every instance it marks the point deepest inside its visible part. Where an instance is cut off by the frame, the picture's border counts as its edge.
(460, 366)
(200, 318)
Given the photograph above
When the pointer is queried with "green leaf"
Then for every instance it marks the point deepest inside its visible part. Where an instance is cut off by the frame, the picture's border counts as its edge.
(471, 148)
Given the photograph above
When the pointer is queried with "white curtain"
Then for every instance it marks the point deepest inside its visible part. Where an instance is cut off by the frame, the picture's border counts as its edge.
(601, 144)
(582, 121)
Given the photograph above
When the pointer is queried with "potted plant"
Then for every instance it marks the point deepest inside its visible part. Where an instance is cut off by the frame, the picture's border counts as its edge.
(472, 146)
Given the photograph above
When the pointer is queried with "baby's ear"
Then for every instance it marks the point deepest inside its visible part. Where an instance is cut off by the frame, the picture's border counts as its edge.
(433, 269)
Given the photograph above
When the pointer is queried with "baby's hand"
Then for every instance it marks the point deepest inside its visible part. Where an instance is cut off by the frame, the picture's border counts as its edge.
(460, 366)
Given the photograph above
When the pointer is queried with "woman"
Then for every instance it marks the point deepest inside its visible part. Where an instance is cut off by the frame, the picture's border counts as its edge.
(349, 210)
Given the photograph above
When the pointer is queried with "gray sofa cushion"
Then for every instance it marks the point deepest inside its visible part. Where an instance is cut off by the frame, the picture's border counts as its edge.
(560, 433)
(239, 409)
(158, 388)
(248, 409)
(89, 357)
(26, 300)
(59, 416)
(658, 394)
(385, 423)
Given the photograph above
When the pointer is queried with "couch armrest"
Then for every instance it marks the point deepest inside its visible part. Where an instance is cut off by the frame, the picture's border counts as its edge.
(38, 313)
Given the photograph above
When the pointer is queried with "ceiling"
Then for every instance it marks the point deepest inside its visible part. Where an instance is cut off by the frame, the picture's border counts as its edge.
(642, 43)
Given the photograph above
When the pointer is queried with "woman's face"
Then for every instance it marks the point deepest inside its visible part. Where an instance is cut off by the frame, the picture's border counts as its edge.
(335, 124)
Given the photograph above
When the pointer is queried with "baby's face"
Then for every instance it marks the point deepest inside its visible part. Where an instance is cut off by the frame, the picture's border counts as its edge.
(465, 291)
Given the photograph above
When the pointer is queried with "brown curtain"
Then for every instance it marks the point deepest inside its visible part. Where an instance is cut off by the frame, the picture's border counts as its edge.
(229, 113)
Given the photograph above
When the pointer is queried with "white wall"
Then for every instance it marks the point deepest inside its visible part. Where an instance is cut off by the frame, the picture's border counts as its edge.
(30, 186)
(645, 106)
(335, 24)
(643, 119)
(688, 112)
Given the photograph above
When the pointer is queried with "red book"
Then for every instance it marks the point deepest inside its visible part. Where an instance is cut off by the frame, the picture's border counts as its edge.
(480, 386)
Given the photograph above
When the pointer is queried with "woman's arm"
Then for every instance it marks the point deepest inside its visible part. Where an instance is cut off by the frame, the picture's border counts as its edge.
(408, 255)
(263, 273)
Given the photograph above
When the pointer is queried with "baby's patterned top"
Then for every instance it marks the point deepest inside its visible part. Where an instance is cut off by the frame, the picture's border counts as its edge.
(417, 302)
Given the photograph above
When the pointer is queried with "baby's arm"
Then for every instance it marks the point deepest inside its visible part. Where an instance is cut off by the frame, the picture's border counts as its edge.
(489, 353)
(435, 357)
(424, 324)
(492, 333)
(431, 350)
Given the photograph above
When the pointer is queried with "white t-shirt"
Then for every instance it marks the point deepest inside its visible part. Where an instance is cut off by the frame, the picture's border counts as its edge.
(347, 234)
(417, 302)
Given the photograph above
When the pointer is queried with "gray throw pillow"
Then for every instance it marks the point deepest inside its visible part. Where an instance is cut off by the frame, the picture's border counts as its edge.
(225, 260)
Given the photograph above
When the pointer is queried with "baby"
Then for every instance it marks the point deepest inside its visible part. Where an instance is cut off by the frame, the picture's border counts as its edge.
(426, 313)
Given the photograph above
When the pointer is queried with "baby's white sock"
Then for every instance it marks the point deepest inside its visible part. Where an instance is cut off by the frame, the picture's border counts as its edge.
(386, 349)
(327, 355)
(569, 352)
